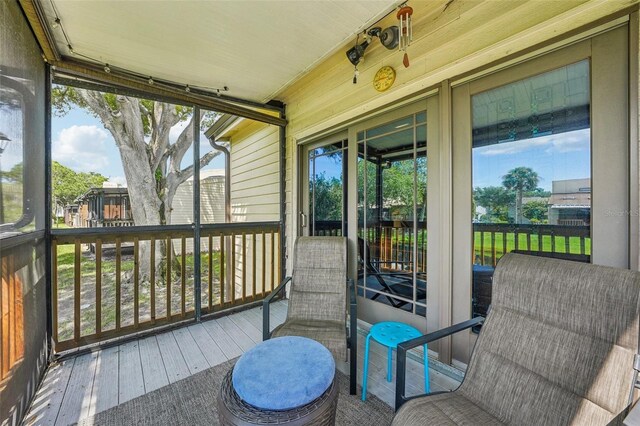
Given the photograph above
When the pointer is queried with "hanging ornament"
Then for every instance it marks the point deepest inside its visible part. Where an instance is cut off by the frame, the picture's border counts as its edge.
(405, 31)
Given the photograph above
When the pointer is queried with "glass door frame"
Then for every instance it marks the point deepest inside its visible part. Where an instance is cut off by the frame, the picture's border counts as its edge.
(304, 215)
(369, 310)
(610, 162)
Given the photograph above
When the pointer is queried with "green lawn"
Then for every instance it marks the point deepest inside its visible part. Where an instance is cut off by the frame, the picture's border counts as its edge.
(66, 287)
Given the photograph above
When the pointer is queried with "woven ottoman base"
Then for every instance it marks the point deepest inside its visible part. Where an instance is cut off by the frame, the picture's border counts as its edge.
(234, 411)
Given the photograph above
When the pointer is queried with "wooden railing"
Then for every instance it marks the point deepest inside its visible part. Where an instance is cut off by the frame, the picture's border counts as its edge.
(492, 241)
(11, 316)
(390, 243)
(100, 291)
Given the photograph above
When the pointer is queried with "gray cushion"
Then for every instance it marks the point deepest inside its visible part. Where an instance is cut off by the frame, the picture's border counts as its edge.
(558, 345)
(332, 334)
(443, 410)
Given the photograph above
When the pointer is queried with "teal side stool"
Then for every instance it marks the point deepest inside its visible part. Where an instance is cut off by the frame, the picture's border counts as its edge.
(390, 334)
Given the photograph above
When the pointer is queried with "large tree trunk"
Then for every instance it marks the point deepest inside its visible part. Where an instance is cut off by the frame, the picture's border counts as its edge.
(152, 166)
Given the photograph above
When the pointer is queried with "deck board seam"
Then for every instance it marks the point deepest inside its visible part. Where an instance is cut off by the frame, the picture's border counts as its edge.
(66, 387)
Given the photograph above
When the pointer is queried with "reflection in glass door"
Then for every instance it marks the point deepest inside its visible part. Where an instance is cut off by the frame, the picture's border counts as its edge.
(326, 191)
(531, 162)
(392, 189)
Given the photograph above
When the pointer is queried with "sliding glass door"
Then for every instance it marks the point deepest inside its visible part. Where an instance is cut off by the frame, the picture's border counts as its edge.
(324, 190)
(392, 191)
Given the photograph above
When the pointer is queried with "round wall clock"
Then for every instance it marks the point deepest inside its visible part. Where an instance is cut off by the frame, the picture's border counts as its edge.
(384, 78)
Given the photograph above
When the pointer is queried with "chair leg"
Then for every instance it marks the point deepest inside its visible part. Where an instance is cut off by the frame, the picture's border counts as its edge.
(389, 364)
(366, 368)
(427, 387)
(353, 365)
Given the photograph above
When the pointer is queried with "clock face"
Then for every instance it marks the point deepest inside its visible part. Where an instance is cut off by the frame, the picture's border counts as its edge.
(384, 78)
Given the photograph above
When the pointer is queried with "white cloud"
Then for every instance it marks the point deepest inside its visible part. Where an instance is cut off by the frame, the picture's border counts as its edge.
(561, 143)
(120, 181)
(82, 148)
(574, 141)
(510, 148)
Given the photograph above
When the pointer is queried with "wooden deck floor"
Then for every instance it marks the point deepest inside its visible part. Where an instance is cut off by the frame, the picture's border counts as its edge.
(88, 384)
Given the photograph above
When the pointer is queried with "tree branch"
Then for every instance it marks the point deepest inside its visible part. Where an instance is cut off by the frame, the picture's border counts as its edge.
(179, 148)
(99, 106)
(163, 119)
(187, 172)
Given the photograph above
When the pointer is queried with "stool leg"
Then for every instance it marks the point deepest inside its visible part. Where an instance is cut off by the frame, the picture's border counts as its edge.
(389, 363)
(366, 368)
(427, 388)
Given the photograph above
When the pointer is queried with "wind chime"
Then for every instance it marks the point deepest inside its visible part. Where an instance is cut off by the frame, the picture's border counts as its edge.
(405, 32)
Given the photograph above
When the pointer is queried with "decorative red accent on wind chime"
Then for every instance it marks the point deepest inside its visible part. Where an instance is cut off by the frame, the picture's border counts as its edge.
(405, 31)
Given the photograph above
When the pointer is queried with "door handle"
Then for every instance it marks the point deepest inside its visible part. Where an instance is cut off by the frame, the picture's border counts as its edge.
(303, 220)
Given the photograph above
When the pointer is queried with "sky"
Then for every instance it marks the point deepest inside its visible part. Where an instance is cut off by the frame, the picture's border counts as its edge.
(80, 141)
(553, 157)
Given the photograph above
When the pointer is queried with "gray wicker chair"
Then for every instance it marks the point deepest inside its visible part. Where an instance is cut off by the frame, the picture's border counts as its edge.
(557, 348)
(318, 299)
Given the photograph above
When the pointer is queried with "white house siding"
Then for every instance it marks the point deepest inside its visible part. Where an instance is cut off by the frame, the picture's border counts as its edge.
(255, 197)
(211, 205)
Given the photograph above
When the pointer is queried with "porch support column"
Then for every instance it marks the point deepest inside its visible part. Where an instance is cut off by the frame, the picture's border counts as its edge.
(197, 282)
(445, 272)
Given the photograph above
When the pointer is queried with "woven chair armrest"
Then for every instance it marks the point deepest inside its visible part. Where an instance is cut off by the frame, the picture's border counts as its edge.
(401, 362)
(266, 333)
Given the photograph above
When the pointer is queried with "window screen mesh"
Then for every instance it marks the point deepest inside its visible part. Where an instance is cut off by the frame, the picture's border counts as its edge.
(23, 348)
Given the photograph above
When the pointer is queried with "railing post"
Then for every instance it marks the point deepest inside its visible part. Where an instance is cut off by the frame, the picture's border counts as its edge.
(197, 277)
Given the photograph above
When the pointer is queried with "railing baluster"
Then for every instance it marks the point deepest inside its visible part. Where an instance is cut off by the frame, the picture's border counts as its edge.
(183, 273)
(278, 258)
(515, 239)
(539, 238)
(244, 266)
(168, 279)
(582, 245)
(76, 287)
(98, 286)
(223, 242)
(210, 266)
(528, 239)
(273, 260)
(482, 247)
(54, 288)
(136, 279)
(12, 311)
(152, 278)
(253, 265)
(494, 259)
(232, 272)
(4, 342)
(504, 243)
(567, 244)
(264, 264)
(118, 282)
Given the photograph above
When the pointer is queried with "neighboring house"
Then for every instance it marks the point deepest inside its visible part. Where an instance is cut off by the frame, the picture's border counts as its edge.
(570, 202)
(106, 206)
(70, 213)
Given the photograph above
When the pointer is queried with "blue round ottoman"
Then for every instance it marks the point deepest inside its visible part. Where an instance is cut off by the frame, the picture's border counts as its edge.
(285, 380)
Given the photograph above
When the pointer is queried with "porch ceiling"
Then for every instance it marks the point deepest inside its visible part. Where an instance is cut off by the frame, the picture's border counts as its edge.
(256, 48)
